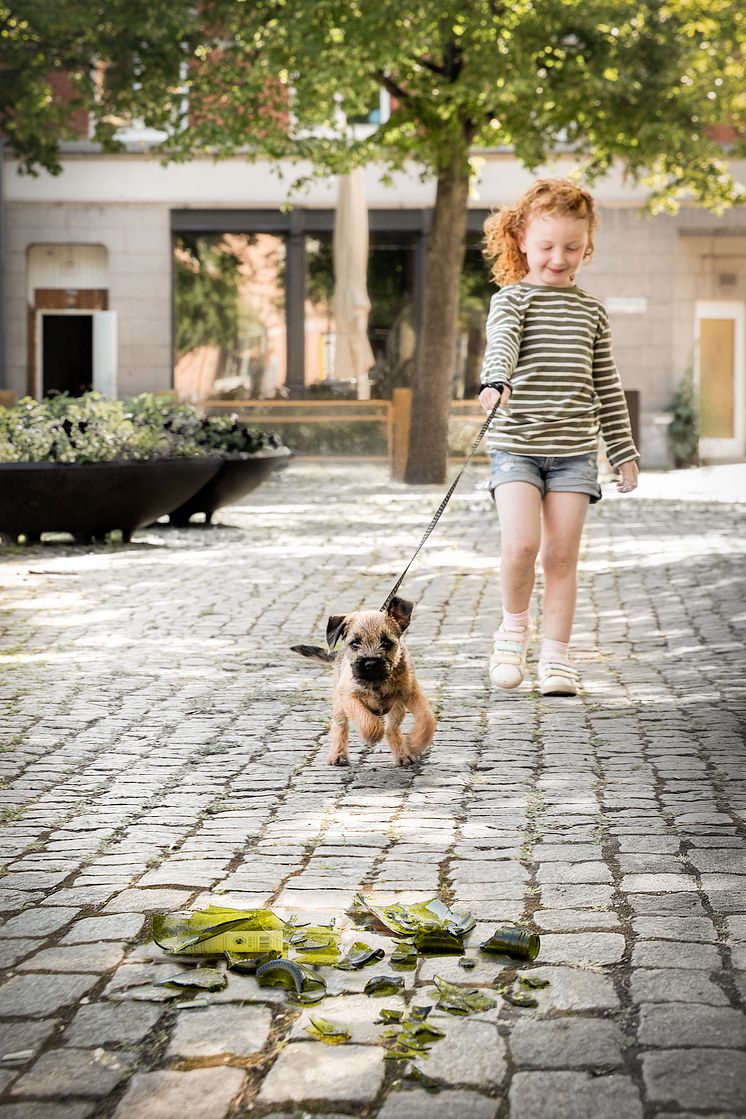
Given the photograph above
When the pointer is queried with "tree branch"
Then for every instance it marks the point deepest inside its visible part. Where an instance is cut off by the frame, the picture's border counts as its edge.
(391, 87)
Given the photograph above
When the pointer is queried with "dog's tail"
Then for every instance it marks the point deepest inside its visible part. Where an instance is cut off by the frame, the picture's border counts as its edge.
(314, 653)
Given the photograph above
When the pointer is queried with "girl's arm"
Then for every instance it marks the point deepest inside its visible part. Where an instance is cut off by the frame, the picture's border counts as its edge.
(615, 425)
(504, 330)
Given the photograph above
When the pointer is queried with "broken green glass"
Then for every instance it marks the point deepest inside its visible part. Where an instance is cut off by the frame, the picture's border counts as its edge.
(533, 981)
(466, 963)
(319, 944)
(406, 920)
(387, 1015)
(519, 944)
(215, 930)
(419, 1013)
(295, 977)
(404, 956)
(520, 998)
(438, 942)
(360, 955)
(331, 1033)
(427, 1082)
(204, 978)
(381, 986)
(460, 1000)
(247, 965)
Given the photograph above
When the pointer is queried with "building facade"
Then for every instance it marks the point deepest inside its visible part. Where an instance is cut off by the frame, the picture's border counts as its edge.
(113, 274)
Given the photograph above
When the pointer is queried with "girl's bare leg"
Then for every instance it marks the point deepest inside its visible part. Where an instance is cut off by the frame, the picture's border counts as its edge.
(562, 528)
(519, 510)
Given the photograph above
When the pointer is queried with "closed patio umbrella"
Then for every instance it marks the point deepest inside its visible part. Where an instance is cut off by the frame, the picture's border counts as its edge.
(353, 355)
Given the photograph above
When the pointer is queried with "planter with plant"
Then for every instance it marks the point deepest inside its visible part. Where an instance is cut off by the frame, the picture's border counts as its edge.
(683, 431)
(89, 466)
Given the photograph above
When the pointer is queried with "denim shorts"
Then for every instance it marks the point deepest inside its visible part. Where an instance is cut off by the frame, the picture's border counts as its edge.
(549, 473)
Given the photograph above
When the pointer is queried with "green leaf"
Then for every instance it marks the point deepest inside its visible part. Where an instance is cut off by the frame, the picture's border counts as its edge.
(205, 978)
(360, 955)
(381, 986)
(331, 1033)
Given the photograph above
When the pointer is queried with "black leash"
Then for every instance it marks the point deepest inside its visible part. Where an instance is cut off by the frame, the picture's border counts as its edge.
(441, 507)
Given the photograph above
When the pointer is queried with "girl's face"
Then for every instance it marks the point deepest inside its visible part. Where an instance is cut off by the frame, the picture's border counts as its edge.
(554, 245)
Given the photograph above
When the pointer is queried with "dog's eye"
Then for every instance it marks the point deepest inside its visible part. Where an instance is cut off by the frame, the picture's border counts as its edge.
(355, 644)
(387, 643)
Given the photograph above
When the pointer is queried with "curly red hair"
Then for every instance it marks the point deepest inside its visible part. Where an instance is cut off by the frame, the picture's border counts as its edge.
(503, 229)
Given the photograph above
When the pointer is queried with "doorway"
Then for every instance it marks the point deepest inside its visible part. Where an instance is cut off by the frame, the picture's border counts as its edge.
(65, 352)
(720, 376)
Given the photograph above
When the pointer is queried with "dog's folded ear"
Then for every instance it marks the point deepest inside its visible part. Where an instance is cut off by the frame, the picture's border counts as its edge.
(336, 628)
(401, 611)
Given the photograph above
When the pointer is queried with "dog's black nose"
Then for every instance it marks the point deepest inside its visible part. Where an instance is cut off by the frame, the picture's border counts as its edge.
(369, 668)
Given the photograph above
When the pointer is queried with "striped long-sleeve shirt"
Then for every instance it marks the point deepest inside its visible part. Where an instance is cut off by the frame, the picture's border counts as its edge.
(553, 347)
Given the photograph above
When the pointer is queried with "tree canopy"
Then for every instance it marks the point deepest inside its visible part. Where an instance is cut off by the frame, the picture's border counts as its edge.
(644, 84)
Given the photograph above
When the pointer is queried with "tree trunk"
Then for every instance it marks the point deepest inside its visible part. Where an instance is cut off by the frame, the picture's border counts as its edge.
(436, 346)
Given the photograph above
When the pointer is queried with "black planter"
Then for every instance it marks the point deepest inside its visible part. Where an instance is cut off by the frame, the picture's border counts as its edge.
(235, 478)
(89, 499)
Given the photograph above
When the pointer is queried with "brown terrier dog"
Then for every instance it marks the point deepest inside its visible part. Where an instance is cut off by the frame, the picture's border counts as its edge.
(374, 682)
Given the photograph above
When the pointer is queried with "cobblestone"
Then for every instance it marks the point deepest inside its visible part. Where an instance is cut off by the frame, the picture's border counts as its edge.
(162, 749)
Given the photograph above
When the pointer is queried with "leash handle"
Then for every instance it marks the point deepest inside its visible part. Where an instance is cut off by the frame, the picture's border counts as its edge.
(439, 511)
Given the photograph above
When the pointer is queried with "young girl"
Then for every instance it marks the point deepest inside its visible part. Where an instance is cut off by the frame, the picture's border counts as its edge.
(548, 362)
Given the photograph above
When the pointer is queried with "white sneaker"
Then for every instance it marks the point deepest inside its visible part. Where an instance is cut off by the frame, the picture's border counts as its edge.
(508, 658)
(556, 678)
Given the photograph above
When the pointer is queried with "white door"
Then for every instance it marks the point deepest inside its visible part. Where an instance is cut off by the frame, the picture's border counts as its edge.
(105, 353)
(720, 379)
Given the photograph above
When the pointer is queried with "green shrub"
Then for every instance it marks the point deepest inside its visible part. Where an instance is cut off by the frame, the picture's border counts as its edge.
(683, 431)
(90, 428)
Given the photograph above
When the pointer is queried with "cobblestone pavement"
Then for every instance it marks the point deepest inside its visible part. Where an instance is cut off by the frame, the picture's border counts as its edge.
(161, 748)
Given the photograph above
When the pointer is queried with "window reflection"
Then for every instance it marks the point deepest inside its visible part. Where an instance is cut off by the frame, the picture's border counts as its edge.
(230, 336)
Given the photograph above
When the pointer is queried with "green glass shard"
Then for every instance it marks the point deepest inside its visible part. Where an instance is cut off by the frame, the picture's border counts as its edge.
(520, 998)
(389, 1034)
(407, 920)
(438, 942)
(387, 1015)
(404, 956)
(427, 1082)
(247, 965)
(320, 945)
(422, 1033)
(381, 986)
(519, 944)
(460, 1000)
(307, 998)
(419, 1013)
(533, 981)
(215, 930)
(360, 955)
(291, 975)
(204, 978)
(402, 1053)
(331, 1033)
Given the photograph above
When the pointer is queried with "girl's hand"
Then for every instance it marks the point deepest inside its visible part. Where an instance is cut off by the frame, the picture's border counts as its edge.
(627, 477)
(488, 398)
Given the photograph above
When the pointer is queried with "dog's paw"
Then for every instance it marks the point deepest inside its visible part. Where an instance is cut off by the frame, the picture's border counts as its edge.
(405, 759)
(338, 759)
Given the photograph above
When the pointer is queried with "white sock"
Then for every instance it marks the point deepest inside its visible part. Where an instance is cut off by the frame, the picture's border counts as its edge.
(558, 651)
(517, 621)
